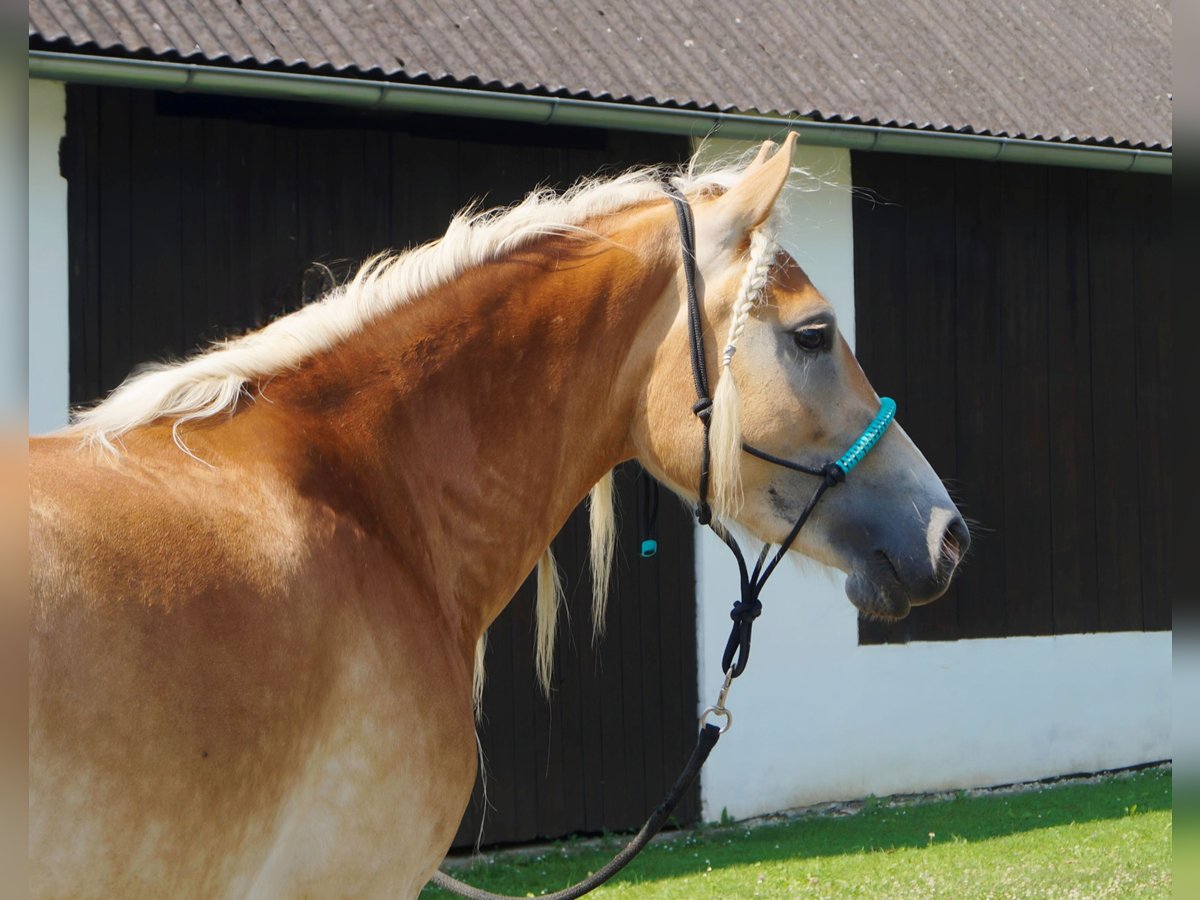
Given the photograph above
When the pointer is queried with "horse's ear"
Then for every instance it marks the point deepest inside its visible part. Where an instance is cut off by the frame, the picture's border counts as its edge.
(763, 152)
(748, 203)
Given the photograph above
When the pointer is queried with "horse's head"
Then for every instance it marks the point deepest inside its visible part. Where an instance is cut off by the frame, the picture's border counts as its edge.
(787, 384)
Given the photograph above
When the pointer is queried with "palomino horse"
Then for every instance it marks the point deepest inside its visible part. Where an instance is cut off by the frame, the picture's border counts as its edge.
(261, 575)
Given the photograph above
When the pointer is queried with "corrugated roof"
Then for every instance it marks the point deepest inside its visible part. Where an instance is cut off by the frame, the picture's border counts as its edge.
(1073, 70)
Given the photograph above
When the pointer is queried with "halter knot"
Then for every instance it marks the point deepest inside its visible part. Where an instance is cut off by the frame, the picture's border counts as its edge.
(703, 409)
(746, 611)
(834, 474)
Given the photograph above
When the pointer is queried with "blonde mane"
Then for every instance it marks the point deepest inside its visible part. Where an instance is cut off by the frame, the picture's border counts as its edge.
(212, 382)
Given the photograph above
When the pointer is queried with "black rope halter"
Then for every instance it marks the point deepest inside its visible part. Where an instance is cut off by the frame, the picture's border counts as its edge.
(749, 607)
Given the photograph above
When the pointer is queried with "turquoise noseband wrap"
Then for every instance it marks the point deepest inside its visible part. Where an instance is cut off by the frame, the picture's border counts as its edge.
(870, 437)
(837, 470)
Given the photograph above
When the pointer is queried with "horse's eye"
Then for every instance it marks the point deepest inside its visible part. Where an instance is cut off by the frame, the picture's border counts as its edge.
(810, 339)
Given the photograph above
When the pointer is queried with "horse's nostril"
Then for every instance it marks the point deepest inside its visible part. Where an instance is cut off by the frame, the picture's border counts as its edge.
(955, 541)
(950, 548)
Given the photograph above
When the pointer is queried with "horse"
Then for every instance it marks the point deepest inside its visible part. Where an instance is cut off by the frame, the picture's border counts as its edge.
(261, 576)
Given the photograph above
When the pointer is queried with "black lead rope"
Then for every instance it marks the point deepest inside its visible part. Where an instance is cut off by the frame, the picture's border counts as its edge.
(746, 609)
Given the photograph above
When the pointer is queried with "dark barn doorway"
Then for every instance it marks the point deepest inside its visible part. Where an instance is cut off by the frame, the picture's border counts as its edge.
(1018, 314)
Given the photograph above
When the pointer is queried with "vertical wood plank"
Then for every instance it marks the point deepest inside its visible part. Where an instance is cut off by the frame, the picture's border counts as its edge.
(560, 714)
(115, 246)
(236, 305)
(377, 192)
(318, 212)
(424, 188)
(1114, 404)
(1072, 477)
(653, 604)
(591, 729)
(679, 522)
(884, 268)
(613, 769)
(189, 326)
(350, 229)
(260, 273)
(526, 771)
(499, 726)
(1152, 294)
(218, 212)
(981, 440)
(662, 588)
(1023, 318)
(881, 319)
(83, 185)
(633, 697)
(154, 215)
(927, 298)
(284, 252)
(574, 639)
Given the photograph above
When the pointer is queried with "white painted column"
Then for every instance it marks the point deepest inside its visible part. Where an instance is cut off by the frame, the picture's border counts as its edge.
(817, 717)
(49, 386)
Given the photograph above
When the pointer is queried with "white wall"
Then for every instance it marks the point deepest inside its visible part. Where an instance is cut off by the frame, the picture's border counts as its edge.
(817, 717)
(48, 321)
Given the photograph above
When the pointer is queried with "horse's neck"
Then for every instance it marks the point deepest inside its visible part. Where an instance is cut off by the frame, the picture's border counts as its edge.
(469, 424)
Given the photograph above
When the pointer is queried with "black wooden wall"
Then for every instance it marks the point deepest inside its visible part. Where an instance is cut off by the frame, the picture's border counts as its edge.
(191, 218)
(1016, 314)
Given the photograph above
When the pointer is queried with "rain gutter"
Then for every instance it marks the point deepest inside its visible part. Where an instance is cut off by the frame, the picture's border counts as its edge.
(415, 98)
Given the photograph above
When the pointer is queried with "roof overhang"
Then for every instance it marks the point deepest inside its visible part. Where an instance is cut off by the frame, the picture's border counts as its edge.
(530, 108)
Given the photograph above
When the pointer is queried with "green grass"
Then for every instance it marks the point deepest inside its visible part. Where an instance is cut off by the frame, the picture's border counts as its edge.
(1110, 838)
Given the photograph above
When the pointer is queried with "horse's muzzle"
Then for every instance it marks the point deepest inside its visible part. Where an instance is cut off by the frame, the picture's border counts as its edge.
(886, 585)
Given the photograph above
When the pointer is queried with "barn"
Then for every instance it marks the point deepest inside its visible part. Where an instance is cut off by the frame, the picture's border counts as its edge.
(985, 201)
